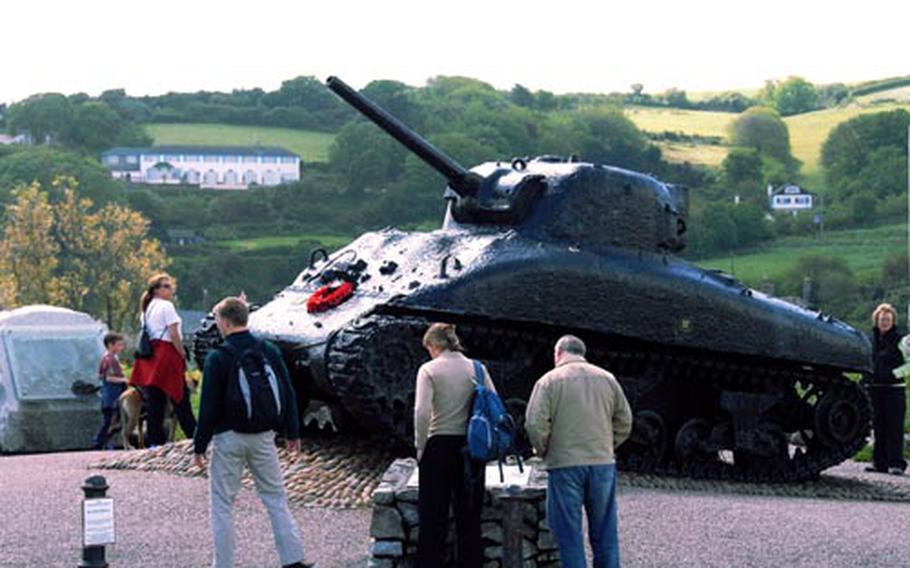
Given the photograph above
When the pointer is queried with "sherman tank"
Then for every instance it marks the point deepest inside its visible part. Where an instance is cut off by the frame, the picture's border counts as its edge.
(724, 381)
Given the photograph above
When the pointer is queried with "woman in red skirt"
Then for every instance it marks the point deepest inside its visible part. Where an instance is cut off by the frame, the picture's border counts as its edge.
(162, 376)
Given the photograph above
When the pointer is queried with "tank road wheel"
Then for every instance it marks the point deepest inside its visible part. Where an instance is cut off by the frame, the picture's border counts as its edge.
(692, 446)
(647, 443)
(840, 418)
(372, 364)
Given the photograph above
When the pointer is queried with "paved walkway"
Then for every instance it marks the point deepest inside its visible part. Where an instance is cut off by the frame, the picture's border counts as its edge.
(162, 521)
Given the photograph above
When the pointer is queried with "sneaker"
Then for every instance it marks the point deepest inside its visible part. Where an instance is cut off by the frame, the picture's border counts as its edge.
(873, 469)
(895, 471)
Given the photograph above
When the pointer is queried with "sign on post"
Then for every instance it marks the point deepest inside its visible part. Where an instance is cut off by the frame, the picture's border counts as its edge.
(98, 522)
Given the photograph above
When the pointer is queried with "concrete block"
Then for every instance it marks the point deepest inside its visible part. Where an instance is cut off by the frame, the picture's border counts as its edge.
(383, 495)
(386, 523)
(380, 563)
(492, 532)
(409, 513)
(492, 553)
(386, 549)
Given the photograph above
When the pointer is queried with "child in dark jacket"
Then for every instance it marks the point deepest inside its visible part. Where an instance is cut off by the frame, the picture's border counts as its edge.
(113, 383)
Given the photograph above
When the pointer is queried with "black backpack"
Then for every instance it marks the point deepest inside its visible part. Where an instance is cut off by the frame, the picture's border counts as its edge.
(252, 397)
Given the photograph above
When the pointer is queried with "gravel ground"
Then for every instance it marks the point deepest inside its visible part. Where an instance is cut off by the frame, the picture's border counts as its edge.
(162, 521)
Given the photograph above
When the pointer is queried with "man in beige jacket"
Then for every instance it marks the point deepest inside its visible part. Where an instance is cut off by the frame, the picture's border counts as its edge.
(577, 415)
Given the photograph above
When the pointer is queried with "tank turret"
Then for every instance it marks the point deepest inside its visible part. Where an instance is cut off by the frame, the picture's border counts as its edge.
(547, 198)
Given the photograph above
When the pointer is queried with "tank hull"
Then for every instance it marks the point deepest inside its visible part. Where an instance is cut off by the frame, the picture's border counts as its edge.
(644, 296)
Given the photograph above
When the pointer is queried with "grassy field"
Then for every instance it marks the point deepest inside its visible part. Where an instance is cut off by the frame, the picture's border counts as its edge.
(331, 242)
(896, 94)
(807, 131)
(702, 123)
(864, 250)
(311, 146)
(702, 154)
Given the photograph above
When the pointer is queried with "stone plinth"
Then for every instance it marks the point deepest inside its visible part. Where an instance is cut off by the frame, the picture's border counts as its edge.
(513, 519)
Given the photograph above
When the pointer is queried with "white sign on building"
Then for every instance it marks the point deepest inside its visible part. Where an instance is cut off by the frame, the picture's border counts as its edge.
(790, 198)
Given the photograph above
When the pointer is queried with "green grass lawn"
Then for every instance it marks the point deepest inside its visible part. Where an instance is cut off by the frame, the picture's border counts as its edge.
(311, 146)
(864, 250)
(331, 242)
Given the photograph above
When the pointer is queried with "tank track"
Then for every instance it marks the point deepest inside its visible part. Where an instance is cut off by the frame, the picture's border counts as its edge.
(815, 418)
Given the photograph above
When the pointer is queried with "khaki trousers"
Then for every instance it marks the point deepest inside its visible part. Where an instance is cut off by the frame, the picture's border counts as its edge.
(230, 451)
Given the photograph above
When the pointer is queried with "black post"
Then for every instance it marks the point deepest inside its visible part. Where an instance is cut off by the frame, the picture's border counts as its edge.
(95, 487)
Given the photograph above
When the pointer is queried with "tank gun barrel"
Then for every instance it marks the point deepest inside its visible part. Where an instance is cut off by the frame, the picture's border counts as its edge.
(464, 182)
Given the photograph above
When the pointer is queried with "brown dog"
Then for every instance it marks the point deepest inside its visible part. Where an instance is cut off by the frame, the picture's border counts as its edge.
(133, 419)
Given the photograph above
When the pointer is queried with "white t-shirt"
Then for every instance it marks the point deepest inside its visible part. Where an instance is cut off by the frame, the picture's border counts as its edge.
(160, 314)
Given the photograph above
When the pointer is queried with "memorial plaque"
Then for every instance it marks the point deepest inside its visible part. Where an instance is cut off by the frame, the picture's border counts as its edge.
(511, 473)
(97, 522)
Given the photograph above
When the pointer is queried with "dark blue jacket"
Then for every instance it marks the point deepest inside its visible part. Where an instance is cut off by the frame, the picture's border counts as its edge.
(212, 417)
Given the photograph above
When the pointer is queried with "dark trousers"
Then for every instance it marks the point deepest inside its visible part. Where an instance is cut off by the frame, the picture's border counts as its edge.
(156, 405)
(447, 477)
(104, 434)
(184, 413)
(889, 406)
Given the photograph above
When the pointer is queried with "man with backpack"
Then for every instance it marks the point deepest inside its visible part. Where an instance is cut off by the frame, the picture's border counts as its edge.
(576, 416)
(247, 396)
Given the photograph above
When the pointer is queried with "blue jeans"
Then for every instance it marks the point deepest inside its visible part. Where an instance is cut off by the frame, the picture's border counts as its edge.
(594, 487)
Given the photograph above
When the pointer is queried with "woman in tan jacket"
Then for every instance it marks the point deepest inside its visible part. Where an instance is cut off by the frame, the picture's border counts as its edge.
(445, 392)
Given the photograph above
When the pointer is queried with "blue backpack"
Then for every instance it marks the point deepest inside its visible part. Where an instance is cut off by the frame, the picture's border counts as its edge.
(491, 430)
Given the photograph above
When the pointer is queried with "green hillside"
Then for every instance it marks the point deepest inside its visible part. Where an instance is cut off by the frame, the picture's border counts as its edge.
(807, 131)
(699, 122)
(331, 242)
(311, 146)
(864, 251)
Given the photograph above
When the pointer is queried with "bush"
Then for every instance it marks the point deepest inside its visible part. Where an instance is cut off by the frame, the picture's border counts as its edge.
(835, 284)
(762, 128)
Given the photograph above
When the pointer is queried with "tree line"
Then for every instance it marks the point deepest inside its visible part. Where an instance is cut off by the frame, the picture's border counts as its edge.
(303, 102)
(370, 181)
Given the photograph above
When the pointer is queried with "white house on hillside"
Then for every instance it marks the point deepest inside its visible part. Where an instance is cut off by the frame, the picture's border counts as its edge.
(790, 198)
(216, 167)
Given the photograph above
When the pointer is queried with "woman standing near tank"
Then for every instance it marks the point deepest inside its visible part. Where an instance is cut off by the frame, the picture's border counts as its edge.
(888, 394)
(447, 476)
(162, 376)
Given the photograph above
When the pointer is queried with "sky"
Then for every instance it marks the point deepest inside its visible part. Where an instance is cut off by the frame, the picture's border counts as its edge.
(152, 47)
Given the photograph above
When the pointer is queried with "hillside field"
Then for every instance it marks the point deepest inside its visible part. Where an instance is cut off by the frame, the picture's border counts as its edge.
(807, 131)
(864, 251)
(311, 146)
(331, 242)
